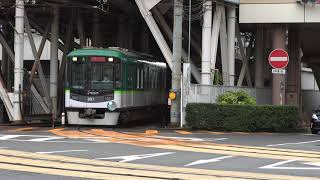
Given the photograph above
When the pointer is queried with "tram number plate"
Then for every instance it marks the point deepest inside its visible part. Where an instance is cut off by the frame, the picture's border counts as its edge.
(90, 99)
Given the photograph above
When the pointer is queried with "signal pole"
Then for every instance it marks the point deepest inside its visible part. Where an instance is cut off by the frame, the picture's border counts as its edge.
(176, 62)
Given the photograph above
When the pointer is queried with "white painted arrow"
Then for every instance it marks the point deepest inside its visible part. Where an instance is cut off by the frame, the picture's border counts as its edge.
(277, 166)
(313, 164)
(136, 157)
(204, 161)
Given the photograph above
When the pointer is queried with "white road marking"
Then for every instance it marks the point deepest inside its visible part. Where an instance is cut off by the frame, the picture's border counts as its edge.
(136, 157)
(313, 164)
(305, 142)
(220, 139)
(205, 161)
(97, 140)
(50, 139)
(181, 138)
(190, 138)
(52, 152)
(3, 147)
(277, 166)
(45, 139)
(8, 137)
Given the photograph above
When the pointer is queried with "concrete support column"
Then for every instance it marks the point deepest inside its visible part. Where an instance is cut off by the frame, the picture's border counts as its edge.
(259, 80)
(231, 18)
(54, 60)
(18, 66)
(176, 62)
(96, 34)
(206, 43)
(278, 80)
(293, 90)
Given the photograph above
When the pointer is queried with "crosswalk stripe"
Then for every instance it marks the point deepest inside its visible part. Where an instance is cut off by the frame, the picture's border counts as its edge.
(51, 164)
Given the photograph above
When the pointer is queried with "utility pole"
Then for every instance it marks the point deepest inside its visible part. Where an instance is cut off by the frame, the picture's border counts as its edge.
(176, 62)
(18, 65)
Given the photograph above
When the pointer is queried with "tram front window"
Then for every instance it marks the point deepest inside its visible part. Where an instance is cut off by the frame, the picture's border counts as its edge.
(104, 74)
(78, 71)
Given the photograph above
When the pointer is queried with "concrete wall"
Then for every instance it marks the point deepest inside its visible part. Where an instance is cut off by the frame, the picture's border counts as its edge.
(209, 94)
(28, 52)
(308, 82)
(277, 11)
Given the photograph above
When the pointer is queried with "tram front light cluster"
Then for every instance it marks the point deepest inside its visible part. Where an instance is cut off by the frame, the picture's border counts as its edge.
(111, 105)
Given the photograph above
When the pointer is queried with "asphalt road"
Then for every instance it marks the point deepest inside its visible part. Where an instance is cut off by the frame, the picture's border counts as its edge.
(37, 153)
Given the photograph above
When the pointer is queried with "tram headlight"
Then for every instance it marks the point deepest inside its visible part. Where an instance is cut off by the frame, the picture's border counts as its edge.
(111, 105)
(315, 117)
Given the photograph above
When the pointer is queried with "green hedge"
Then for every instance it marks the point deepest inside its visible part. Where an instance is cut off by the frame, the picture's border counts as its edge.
(247, 118)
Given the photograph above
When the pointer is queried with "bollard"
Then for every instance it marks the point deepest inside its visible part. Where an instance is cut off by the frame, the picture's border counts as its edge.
(63, 119)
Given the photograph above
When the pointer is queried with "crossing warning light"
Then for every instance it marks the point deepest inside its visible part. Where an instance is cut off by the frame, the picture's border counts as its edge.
(172, 95)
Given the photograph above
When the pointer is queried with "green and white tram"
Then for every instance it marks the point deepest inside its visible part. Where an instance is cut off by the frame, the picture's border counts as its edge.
(108, 86)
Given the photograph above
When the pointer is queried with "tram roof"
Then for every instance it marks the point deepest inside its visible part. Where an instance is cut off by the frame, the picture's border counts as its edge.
(111, 52)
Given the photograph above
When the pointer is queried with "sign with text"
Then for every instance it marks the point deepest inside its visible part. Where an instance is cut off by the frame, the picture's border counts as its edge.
(278, 71)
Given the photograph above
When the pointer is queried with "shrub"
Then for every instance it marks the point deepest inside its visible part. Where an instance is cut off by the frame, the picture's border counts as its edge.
(236, 97)
(242, 117)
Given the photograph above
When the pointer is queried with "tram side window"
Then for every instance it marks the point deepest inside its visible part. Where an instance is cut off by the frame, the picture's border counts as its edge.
(146, 78)
(141, 79)
(138, 78)
(131, 79)
(117, 74)
(152, 79)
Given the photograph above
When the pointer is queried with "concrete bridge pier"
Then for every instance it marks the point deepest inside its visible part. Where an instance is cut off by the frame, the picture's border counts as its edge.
(293, 88)
(19, 55)
(259, 57)
(54, 62)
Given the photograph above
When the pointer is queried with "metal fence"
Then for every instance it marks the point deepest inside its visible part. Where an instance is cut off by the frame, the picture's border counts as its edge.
(209, 93)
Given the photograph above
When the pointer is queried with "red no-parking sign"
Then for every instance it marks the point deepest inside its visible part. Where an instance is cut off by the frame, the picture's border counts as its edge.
(279, 59)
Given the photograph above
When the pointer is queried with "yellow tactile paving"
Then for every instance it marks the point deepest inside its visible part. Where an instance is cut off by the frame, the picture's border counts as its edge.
(95, 169)
(151, 132)
(23, 129)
